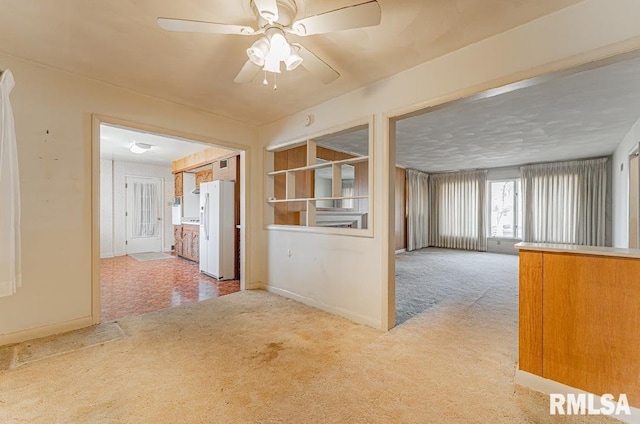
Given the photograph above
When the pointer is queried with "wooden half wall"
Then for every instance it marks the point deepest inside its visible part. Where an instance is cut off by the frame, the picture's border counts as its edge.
(579, 317)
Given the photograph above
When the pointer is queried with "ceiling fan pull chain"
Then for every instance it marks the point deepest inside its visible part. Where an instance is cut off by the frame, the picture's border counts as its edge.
(265, 82)
(275, 81)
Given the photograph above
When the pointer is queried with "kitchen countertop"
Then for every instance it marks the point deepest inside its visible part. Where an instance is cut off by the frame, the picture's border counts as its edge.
(584, 250)
(190, 222)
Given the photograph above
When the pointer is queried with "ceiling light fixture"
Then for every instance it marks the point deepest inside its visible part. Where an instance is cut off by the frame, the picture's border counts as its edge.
(139, 148)
(258, 51)
(269, 51)
(294, 60)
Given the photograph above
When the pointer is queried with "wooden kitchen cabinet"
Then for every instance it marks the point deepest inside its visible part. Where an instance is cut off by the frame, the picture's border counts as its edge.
(177, 186)
(204, 177)
(190, 242)
(177, 235)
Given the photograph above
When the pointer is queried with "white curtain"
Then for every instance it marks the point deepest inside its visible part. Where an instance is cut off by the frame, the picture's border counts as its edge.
(145, 209)
(458, 210)
(565, 202)
(348, 190)
(418, 210)
(10, 249)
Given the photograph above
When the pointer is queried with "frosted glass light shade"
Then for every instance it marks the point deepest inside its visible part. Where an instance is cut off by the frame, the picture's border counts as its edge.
(139, 148)
(258, 51)
(293, 61)
(272, 64)
(279, 48)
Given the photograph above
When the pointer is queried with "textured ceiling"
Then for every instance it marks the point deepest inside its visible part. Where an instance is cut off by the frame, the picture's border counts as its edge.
(578, 116)
(119, 42)
(115, 143)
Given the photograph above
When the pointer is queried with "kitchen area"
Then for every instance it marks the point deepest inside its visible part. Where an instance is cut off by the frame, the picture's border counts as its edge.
(206, 211)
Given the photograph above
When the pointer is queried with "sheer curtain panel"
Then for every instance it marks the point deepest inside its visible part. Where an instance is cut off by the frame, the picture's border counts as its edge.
(458, 210)
(145, 210)
(418, 210)
(565, 202)
(10, 260)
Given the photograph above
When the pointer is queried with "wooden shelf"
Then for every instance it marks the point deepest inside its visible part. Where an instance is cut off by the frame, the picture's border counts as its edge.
(302, 210)
(321, 165)
(315, 199)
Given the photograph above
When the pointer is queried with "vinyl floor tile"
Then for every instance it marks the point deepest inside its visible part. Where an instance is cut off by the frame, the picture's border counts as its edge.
(129, 287)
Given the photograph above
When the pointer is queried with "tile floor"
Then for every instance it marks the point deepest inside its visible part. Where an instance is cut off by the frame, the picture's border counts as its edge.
(129, 287)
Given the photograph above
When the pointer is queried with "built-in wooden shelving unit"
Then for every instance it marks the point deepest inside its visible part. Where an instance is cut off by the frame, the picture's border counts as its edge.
(311, 165)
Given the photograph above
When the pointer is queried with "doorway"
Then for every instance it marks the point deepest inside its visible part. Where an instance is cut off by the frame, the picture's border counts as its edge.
(145, 220)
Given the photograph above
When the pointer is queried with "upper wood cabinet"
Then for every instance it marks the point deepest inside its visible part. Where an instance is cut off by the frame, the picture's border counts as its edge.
(204, 177)
(177, 189)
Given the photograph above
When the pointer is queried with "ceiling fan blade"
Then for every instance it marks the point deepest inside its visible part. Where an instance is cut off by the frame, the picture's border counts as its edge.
(268, 9)
(183, 25)
(358, 16)
(316, 66)
(247, 73)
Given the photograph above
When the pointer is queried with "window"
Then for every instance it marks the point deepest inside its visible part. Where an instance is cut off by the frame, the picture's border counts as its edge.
(505, 213)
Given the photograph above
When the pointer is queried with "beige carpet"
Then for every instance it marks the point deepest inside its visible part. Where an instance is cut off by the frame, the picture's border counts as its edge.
(254, 357)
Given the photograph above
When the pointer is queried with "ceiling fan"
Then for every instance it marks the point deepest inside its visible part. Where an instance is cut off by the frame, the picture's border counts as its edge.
(275, 20)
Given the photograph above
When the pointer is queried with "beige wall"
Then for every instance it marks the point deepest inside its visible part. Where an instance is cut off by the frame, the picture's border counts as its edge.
(345, 275)
(350, 275)
(56, 185)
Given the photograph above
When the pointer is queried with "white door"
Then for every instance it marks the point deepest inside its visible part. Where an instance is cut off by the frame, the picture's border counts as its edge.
(143, 214)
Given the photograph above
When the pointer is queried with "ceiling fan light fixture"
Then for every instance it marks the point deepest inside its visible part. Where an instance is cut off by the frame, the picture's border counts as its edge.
(258, 51)
(279, 47)
(294, 60)
(272, 64)
(139, 148)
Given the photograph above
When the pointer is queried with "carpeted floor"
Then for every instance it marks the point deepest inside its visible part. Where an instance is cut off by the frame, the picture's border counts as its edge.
(429, 277)
(253, 357)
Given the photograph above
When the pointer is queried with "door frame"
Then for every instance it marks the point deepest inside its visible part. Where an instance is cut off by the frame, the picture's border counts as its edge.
(245, 153)
(633, 153)
(160, 210)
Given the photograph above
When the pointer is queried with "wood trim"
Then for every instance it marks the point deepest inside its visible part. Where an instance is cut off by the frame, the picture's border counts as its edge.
(530, 301)
(400, 205)
(199, 159)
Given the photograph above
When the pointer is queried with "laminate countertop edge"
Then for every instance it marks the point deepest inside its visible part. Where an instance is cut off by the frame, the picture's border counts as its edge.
(580, 250)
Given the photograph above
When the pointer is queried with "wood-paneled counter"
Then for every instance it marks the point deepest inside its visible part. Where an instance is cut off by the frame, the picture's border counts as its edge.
(580, 315)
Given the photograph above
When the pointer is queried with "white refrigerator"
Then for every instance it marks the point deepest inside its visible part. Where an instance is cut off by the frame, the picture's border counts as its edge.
(217, 229)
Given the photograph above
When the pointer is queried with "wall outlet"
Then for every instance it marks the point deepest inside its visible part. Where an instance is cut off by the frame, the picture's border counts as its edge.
(289, 252)
(498, 242)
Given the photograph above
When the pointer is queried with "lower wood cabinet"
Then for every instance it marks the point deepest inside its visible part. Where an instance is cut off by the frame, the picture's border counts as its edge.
(187, 241)
(177, 235)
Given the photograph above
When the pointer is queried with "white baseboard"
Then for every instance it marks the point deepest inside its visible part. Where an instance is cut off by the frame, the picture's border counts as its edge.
(257, 286)
(46, 330)
(106, 255)
(546, 386)
(361, 319)
(400, 251)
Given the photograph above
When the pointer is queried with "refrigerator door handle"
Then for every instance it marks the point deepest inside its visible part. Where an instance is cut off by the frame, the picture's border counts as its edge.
(206, 216)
